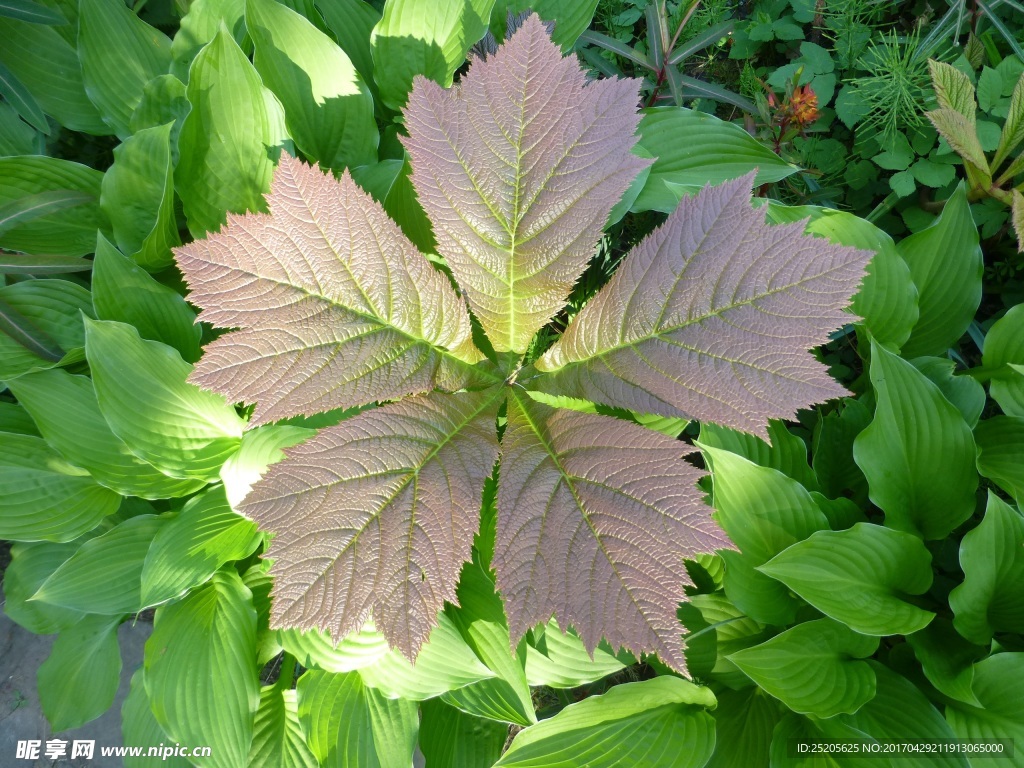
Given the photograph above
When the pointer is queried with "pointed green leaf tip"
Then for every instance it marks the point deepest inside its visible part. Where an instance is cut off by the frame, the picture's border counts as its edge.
(333, 306)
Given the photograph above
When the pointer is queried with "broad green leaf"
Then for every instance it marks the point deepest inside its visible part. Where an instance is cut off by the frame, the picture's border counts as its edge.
(163, 102)
(28, 264)
(352, 22)
(573, 509)
(953, 89)
(658, 723)
(832, 450)
(140, 729)
(79, 678)
(997, 686)
(26, 10)
(693, 149)
(18, 137)
(201, 674)
(31, 565)
(25, 337)
(764, 512)
(260, 448)
(328, 108)
(452, 739)
(25, 209)
(947, 659)
(47, 66)
(1001, 453)
(43, 498)
(1004, 347)
(783, 451)
(558, 659)
(119, 53)
(142, 393)
(1013, 129)
(138, 197)
(103, 576)
(68, 232)
(65, 409)
(917, 453)
(50, 312)
(946, 265)
(191, 546)
(813, 668)
(315, 649)
(15, 419)
(962, 391)
(698, 350)
(744, 723)
(516, 208)
(731, 631)
(277, 737)
(349, 725)
(124, 291)
(328, 337)
(230, 139)
(420, 37)
(200, 26)
(859, 577)
(570, 17)
(991, 597)
(794, 728)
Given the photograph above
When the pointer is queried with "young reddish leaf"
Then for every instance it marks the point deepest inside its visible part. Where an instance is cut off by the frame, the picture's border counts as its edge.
(595, 516)
(336, 307)
(711, 318)
(518, 168)
(378, 513)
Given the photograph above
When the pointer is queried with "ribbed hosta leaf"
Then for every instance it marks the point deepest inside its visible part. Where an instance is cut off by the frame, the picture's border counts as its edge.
(518, 206)
(711, 318)
(595, 516)
(378, 513)
(335, 306)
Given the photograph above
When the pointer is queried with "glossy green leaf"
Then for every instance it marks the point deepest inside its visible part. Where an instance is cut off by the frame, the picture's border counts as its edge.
(997, 686)
(260, 448)
(201, 674)
(68, 232)
(53, 309)
(352, 22)
(962, 391)
(79, 678)
(991, 597)
(31, 565)
(200, 25)
(570, 17)
(558, 659)
(832, 450)
(18, 137)
(946, 265)
(277, 737)
(137, 196)
(813, 668)
(328, 108)
(192, 545)
(860, 577)
(695, 148)
(25, 337)
(315, 649)
(24, 209)
(917, 453)
(744, 723)
(26, 10)
(230, 140)
(450, 738)
(1001, 453)
(140, 385)
(20, 102)
(43, 498)
(119, 53)
(123, 291)
(947, 659)
(163, 102)
(1004, 347)
(66, 411)
(27, 264)
(140, 729)
(15, 419)
(103, 576)
(731, 630)
(794, 728)
(349, 725)
(658, 723)
(784, 451)
(419, 37)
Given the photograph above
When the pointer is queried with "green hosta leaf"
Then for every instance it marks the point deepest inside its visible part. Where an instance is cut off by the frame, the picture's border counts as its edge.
(47, 65)
(31, 565)
(997, 686)
(15, 419)
(68, 231)
(832, 450)
(558, 659)
(452, 739)
(163, 102)
(328, 108)
(277, 737)
(698, 351)
(1001, 453)
(1004, 347)
(103, 576)
(18, 137)
(730, 629)
(784, 451)
(65, 408)
(120, 53)
(141, 389)
(953, 89)
(1013, 129)
(417, 37)
(43, 498)
(47, 314)
(859, 577)
(764, 512)
(946, 265)
(991, 598)
(744, 723)
(813, 668)
(947, 659)
(125, 292)
(917, 453)
(363, 305)
(352, 23)
(201, 674)
(605, 731)
(496, 227)
(229, 140)
(825, 733)
(25, 209)
(26, 10)
(570, 17)
(79, 678)
(190, 547)
(259, 449)
(140, 729)
(138, 197)
(200, 26)
(349, 725)
(962, 391)
(316, 649)
(693, 149)
(26, 264)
